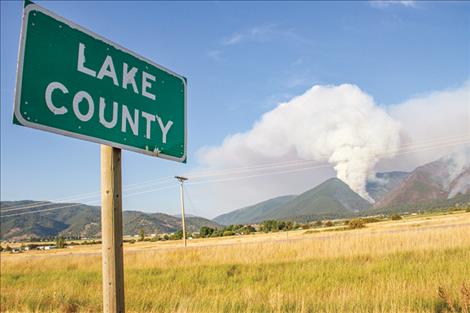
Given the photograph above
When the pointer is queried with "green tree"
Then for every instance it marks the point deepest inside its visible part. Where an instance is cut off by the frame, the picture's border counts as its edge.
(271, 225)
(141, 234)
(60, 242)
(205, 231)
(217, 233)
(177, 236)
(281, 225)
(247, 229)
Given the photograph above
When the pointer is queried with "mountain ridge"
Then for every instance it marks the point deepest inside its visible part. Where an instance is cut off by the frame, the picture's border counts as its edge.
(253, 213)
(443, 182)
(439, 180)
(332, 197)
(84, 221)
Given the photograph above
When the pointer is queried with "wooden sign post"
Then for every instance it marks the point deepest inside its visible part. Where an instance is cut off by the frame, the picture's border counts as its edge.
(111, 230)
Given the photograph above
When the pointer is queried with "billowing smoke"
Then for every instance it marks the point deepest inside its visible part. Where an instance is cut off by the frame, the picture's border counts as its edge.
(458, 166)
(338, 124)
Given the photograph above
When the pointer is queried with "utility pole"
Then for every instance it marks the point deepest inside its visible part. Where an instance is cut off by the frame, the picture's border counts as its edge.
(182, 179)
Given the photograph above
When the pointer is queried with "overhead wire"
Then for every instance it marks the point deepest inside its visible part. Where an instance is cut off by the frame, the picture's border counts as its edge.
(405, 150)
(162, 180)
(210, 173)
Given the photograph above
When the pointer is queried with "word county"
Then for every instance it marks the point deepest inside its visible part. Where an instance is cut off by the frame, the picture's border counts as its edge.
(127, 119)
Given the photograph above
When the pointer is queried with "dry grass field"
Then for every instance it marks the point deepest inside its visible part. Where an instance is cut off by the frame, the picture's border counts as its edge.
(392, 266)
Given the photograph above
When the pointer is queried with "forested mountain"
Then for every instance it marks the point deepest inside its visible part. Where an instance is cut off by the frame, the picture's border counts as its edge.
(72, 219)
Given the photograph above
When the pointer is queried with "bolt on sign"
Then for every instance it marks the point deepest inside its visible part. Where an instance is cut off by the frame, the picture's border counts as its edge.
(74, 82)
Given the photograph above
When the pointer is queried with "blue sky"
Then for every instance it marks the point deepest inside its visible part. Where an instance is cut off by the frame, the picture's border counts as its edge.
(241, 59)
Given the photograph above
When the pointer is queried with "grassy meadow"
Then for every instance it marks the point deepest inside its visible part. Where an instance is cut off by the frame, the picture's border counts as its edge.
(392, 266)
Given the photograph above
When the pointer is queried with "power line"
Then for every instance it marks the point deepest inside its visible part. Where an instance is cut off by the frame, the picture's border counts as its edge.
(95, 194)
(195, 209)
(402, 151)
(78, 204)
(210, 173)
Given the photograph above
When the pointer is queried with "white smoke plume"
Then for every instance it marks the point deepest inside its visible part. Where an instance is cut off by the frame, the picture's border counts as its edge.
(440, 116)
(458, 166)
(457, 163)
(338, 124)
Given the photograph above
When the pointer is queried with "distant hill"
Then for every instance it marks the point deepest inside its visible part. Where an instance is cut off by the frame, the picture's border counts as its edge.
(83, 220)
(462, 200)
(254, 213)
(437, 181)
(442, 183)
(185, 214)
(332, 198)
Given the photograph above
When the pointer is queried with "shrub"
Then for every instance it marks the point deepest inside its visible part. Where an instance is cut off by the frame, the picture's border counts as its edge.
(328, 223)
(228, 233)
(371, 220)
(356, 223)
(91, 242)
(396, 217)
(318, 224)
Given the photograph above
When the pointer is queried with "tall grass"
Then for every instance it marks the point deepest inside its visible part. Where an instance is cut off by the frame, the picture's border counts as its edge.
(350, 271)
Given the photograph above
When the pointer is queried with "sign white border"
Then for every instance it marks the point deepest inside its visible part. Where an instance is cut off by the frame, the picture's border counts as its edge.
(19, 79)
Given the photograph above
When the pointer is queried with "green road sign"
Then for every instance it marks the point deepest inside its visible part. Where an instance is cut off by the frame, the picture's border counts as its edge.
(73, 82)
